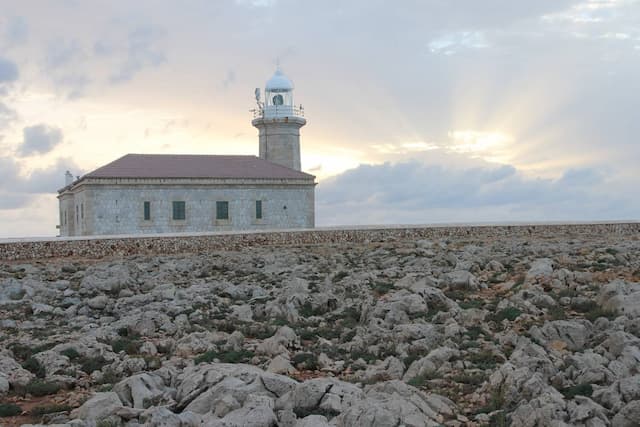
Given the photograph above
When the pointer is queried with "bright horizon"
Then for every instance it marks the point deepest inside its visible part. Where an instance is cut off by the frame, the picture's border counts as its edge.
(422, 113)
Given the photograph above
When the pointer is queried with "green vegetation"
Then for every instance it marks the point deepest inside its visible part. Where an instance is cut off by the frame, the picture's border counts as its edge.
(472, 303)
(233, 356)
(50, 409)
(90, 364)
(421, 380)
(499, 420)
(382, 288)
(71, 353)
(495, 402)
(509, 313)
(307, 361)
(40, 388)
(129, 344)
(339, 276)
(470, 378)
(598, 312)
(32, 365)
(474, 332)
(9, 410)
(556, 313)
(484, 359)
(577, 390)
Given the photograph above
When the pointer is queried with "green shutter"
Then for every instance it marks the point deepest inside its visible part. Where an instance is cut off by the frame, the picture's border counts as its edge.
(222, 210)
(258, 209)
(147, 211)
(179, 211)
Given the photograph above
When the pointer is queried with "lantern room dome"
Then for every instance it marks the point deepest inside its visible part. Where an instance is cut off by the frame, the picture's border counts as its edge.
(279, 83)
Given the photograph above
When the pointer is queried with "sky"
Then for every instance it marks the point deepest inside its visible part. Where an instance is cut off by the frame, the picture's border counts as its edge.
(418, 111)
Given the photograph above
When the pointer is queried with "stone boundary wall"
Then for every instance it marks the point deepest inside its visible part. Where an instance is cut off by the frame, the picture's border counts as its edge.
(114, 246)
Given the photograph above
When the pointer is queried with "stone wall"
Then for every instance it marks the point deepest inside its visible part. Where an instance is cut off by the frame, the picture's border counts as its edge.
(118, 209)
(99, 247)
(279, 140)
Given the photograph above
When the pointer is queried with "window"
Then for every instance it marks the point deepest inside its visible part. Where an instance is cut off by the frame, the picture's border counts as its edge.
(77, 213)
(222, 210)
(179, 211)
(147, 211)
(82, 210)
(258, 209)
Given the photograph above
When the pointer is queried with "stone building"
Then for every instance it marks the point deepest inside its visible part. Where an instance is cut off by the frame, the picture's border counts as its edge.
(166, 193)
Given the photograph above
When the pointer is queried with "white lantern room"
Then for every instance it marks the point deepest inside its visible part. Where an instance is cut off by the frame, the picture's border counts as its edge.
(279, 97)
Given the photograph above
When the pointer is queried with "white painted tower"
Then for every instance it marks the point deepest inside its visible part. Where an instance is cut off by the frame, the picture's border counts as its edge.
(279, 121)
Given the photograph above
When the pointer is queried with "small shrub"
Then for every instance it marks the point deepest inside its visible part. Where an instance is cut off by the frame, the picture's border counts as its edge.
(71, 353)
(382, 288)
(110, 377)
(129, 345)
(472, 303)
(421, 380)
(259, 331)
(40, 388)
(509, 313)
(21, 351)
(50, 409)
(307, 361)
(469, 378)
(307, 334)
(90, 364)
(307, 310)
(569, 292)
(577, 390)
(9, 410)
(556, 313)
(32, 365)
(584, 306)
(412, 356)
(328, 332)
(495, 402)
(241, 356)
(474, 332)
(499, 419)
(598, 312)
(484, 359)
(350, 317)
(339, 276)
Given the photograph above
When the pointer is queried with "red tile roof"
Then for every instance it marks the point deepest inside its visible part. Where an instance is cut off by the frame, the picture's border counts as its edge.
(194, 166)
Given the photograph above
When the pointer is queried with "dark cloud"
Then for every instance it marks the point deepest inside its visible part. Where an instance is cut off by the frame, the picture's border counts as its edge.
(418, 193)
(39, 139)
(8, 71)
(17, 189)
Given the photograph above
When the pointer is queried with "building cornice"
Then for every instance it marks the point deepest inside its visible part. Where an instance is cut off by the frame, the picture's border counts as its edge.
(213, 182)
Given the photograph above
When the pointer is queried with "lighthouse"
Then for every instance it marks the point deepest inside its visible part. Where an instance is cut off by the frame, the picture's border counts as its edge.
(279, 121)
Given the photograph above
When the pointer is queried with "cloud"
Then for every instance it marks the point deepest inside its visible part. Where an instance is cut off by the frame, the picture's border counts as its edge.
(39, 139)
(61, 52)
(8, 71)
(229, 79)
(141, 50)
(18, 189)
(7, 115)
(16, 31)
(414, 192)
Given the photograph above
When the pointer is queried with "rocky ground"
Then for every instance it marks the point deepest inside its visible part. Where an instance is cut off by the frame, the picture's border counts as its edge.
(460, 332)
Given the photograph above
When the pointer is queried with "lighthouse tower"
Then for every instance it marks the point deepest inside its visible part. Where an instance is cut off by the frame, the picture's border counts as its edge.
(279, 122)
